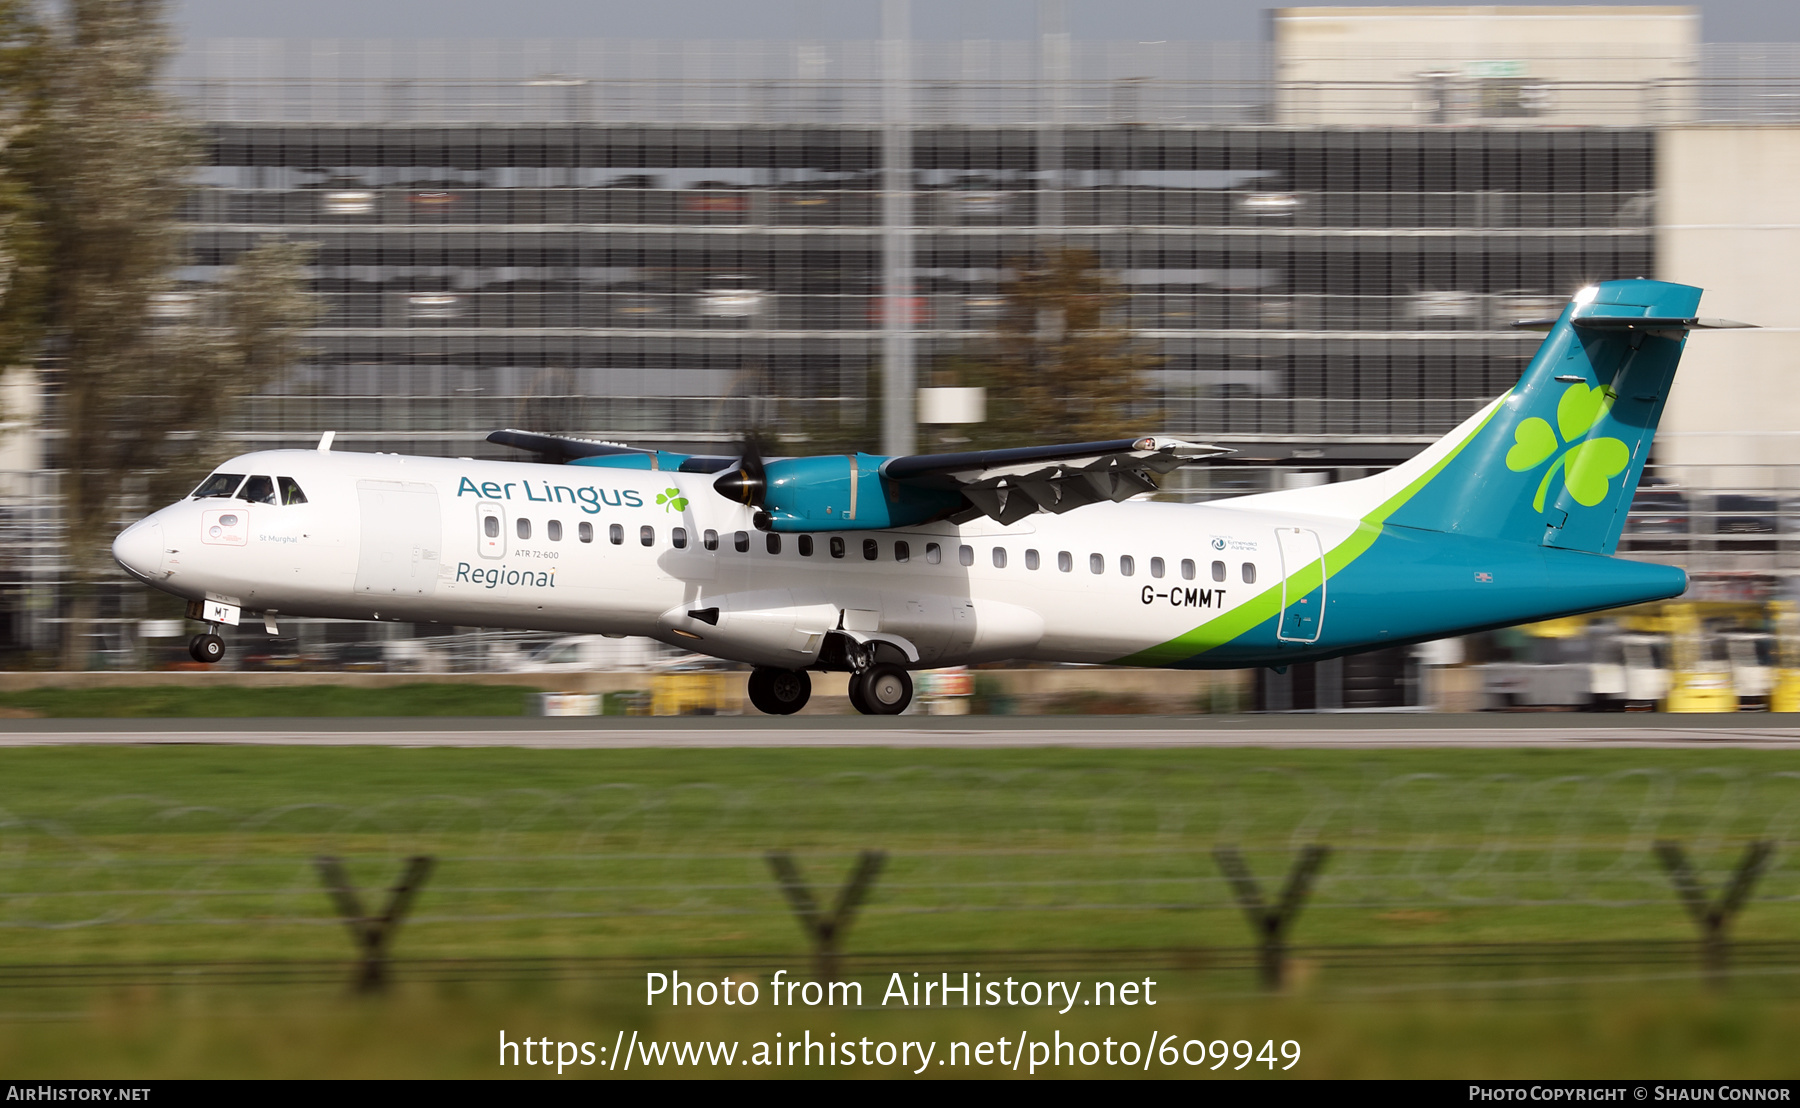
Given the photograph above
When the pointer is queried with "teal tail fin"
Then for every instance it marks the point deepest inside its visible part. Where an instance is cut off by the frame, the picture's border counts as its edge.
(1558, 460)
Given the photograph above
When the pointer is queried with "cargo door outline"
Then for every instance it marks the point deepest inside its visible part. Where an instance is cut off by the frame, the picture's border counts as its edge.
(400, 553)
(491, 545)
(1302, 614)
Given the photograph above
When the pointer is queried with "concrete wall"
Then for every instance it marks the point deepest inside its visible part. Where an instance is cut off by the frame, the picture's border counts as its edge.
(1728, 220)
(1406, 66)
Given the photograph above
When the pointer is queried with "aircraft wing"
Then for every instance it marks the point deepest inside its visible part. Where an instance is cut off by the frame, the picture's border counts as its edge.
(561, 448)
(1008, 485)
(564, 449)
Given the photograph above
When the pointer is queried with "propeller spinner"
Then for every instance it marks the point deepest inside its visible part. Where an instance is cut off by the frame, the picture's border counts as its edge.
(747, 482)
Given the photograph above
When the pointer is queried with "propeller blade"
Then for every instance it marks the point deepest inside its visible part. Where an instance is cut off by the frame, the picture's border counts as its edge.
(747, 482)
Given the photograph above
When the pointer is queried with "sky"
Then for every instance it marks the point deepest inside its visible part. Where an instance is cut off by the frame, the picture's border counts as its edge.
(1113, 20)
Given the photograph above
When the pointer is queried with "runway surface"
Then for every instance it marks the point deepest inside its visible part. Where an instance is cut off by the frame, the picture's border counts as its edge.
(1347, 731)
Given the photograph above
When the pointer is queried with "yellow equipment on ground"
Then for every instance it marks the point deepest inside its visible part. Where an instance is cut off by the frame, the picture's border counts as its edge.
(1696, 682)
(698, 693)
(1785, 696)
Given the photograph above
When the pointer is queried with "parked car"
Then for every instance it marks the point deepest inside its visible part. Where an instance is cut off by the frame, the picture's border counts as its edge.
(592, 653)
(1752, 658)
(1646, 670)
(731, 296)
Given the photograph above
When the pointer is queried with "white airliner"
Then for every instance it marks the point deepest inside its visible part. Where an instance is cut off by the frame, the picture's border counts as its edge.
(877, 566)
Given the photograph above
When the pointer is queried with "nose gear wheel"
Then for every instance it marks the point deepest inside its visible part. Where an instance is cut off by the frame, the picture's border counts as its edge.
(208, 648)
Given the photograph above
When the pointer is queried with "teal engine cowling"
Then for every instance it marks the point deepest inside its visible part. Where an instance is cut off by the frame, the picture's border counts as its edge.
(834, 492)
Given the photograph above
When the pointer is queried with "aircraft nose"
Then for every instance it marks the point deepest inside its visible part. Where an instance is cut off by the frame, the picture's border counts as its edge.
(139, 548)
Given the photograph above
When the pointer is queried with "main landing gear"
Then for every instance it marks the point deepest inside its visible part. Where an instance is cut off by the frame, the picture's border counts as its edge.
(884, 689)
(206, 647)
(779, 692)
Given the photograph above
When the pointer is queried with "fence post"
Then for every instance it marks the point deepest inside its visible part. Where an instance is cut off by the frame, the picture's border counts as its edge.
(826, 932)
(1271, 924)
(372, 934)
(1714, 919)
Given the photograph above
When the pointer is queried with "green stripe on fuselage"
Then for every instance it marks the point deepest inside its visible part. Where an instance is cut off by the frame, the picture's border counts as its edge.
(1266, 605)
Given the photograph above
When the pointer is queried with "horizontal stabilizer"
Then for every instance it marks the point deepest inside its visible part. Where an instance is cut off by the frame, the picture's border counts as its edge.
(1640, 323)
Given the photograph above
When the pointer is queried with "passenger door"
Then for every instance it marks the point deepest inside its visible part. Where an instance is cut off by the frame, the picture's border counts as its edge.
(1302, 609)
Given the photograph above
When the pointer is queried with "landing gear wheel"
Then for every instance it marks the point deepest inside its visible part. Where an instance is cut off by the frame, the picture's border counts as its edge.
(881, 690)
(779, 692)
(207, 648)
(856, 696)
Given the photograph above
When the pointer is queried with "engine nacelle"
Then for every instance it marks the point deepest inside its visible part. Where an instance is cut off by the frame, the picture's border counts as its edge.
(836, 492)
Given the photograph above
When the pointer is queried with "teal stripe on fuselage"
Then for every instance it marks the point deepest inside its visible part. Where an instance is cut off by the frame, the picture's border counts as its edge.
(1412, 585)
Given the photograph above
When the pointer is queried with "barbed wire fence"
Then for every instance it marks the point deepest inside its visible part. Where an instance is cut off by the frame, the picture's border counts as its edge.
(1031, 866)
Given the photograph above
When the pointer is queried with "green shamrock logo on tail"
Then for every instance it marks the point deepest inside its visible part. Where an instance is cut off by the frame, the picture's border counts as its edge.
(673, 501)
(1587, 467)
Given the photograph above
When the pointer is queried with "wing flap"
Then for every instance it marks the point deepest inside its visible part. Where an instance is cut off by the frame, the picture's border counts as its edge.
(1008, 485)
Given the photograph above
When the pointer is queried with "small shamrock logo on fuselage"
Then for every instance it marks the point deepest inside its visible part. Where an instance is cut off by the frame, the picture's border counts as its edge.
(672, 500)
(1588, 466)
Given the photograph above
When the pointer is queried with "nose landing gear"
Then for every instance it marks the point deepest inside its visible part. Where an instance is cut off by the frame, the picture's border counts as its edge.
(206, 647)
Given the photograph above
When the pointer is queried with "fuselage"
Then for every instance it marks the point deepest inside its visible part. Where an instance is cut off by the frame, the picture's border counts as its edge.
(631, 552)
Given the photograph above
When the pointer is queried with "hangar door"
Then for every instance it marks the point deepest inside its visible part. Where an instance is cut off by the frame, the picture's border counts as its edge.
(401, 537)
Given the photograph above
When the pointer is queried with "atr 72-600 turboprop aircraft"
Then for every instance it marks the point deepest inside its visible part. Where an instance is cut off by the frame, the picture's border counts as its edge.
(876, 565)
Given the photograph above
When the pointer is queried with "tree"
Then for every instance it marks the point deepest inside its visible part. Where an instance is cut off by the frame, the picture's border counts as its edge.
(1060, 365)
(144, 372)
(22, 270)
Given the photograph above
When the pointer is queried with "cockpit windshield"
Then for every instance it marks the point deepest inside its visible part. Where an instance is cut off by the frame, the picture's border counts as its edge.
(258, 490)
(219, 484)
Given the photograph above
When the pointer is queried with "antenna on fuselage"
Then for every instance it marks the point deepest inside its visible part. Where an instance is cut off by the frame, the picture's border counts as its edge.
(325, 441)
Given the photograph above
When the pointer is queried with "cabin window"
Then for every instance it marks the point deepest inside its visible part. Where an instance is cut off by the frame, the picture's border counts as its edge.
(258, 490)
(678, 538)
(290, 491)
(1249, 573)
(1188, 569)
(1218, 570)
(902, 552)
(523, 527)
(553, 530)
(1156, 567)
(966, 555)
(1065, 561)
(933, 553)
(871, 550)
(1127, 565)
(647, 535)
(709, 538)
(1031, 559)
(740, 542)
(491, 527)
(219, 484)
(1096, 563)
(772, 543)
(617, 534)
(837, 546)
(806, 546)
(585, 532)
(999, 557)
